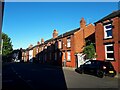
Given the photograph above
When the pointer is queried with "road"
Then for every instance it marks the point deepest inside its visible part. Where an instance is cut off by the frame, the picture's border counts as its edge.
(32, 76)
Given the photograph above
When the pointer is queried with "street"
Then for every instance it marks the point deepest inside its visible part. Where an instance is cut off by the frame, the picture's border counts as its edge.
(33, 76)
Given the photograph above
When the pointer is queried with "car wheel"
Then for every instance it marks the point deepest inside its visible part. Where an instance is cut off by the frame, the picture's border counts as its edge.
(100, 73)
(81, 71)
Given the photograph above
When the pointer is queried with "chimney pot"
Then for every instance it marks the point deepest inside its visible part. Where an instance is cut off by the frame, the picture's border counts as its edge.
(38, 43)
(42, 40)
(82, 23)
(55, 33)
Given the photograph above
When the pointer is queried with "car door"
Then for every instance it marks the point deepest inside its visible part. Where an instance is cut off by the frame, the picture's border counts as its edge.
(93, 66)
(87, 67)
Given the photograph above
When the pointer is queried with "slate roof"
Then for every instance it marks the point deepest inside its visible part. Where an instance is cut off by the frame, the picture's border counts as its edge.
(48, 40)
(63, 35)
(112, 15)
(60, 36)
(68, 33)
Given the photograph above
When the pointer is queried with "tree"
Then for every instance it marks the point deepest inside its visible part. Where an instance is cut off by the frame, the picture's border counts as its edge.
(89, 50)
(7, 45)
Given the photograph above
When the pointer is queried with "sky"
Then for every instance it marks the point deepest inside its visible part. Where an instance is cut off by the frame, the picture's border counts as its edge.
(27, 22)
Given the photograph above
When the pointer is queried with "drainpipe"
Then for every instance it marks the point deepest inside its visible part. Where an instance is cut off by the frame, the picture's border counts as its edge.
(83, 38)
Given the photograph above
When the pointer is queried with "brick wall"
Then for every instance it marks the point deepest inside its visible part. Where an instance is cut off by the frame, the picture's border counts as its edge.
(100, 42)
(79, 37)
(99, 34)
(90, 29)
(78, 41)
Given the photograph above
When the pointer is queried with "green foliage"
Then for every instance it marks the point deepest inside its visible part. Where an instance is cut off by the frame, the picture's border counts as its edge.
(7, 45)
(89, 50)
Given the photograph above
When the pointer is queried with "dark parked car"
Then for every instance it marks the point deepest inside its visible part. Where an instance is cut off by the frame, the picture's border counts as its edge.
(99, 68)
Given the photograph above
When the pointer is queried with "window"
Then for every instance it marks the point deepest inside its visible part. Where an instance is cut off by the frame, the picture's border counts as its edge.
(37, 50)
(87, 63)
(109, 52)
(55, 56)
(45, 47)
(68, 42)
(68, 56)
(108, 31)
(60, 54)
(60, 44)
(42, 48)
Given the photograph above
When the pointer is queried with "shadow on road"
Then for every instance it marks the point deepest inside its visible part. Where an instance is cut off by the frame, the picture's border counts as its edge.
(44, 72)
(32, 76)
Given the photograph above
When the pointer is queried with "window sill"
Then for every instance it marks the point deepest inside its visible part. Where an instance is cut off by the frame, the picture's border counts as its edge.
(110, 60)
(68, 61)
(68, 47)
(107, 38)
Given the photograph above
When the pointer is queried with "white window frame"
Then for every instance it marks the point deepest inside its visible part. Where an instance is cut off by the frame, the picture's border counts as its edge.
(30, 54)
(68, 55)
(45, 47)
(105, 33)
(60, 44)
(108, 52)
(68, 42)
(37, 51)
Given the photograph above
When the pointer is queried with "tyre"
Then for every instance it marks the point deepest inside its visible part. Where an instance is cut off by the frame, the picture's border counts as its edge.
(81, 71)
(100, 73)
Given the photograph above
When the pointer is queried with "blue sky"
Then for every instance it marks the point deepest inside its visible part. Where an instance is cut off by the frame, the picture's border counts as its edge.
(28, 22)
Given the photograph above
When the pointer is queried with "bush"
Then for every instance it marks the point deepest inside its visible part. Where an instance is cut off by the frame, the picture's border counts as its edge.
(89, 50)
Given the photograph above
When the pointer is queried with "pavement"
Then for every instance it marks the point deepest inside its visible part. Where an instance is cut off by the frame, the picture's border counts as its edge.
(117, 76)
(73, 69)
(69, 68)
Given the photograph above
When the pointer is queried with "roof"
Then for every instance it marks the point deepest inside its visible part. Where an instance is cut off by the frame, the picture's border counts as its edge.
(68, 33)
(112, 15)
(48, 40)
(60, 36)
(23, 50)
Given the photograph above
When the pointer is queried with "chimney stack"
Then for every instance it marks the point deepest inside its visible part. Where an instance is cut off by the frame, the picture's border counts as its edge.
(42, 40)
(55, 34)
(82, 23)
(30, 46)
(38, 43)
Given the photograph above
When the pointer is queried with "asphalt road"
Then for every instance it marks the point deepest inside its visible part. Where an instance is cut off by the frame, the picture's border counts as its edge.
(19, 76)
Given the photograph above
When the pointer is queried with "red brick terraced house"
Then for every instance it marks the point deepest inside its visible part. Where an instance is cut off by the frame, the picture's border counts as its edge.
(107, 33)
(64, 47)
(27, 54)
